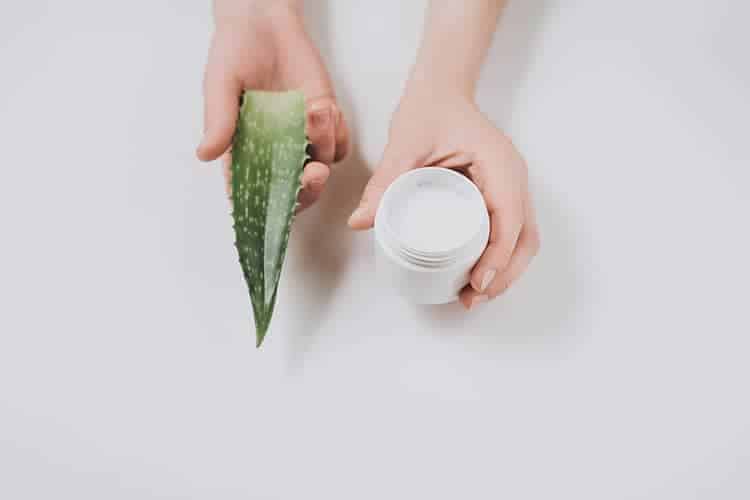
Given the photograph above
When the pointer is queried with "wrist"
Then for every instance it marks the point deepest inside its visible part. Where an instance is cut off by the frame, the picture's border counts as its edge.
(440, 79)
(242, 12)
(433, 84)
(457, 36)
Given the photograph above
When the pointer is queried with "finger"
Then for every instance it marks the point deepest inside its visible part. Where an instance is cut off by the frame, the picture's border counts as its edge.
(470, 298)
(314, 178)
(506, 211)
(342, 134)
(321, 132)
(396, 161)
(456, 160)
(221, 107)
(526, 249)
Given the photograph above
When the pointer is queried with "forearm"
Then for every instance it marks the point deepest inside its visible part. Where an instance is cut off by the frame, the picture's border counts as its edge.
(232, 11)
(456, 38)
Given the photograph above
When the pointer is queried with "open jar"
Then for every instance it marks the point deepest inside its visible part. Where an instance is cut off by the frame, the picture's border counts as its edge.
(431, 228)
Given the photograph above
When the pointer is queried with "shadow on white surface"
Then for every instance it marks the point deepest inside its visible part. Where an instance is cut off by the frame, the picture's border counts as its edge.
(537, 310)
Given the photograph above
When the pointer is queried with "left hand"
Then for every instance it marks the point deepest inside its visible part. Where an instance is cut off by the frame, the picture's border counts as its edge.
(263, 45)
(445, 129)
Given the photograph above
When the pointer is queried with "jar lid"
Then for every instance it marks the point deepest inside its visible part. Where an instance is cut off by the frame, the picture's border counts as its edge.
(431, 216)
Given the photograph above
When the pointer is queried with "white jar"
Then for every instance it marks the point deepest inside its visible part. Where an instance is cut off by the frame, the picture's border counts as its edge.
(430, 229)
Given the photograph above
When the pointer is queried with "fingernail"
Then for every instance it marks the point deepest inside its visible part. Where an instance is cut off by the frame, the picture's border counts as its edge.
(477, 300)
(316, 182)
(357, 215)
(489, 275)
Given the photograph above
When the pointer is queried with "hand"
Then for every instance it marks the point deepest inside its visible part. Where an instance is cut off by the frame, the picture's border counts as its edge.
(445, 129)
(263, 45)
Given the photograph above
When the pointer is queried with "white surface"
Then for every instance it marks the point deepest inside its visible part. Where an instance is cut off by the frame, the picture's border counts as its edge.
(617, 368)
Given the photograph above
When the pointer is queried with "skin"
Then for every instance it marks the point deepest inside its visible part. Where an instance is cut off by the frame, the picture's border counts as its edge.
(262, 44)
(438, 123)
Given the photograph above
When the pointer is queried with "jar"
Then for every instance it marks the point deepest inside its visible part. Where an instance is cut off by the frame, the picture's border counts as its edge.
(431, 228)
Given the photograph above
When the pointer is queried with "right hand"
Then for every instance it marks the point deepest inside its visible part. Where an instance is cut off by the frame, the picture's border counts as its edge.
(263, 45)
(443, 128)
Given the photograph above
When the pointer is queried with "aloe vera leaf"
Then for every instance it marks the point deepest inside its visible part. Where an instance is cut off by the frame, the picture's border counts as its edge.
(268, 154)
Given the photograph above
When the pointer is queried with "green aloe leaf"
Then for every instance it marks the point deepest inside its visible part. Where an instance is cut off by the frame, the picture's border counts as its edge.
(268, 154)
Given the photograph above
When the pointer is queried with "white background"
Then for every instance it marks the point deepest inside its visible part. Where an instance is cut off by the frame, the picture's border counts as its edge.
(617, 368)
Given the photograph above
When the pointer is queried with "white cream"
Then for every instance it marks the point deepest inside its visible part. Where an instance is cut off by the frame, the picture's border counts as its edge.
(435, 217)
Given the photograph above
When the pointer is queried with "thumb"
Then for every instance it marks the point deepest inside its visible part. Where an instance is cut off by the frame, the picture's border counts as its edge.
(395, 162)
(221, 102)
